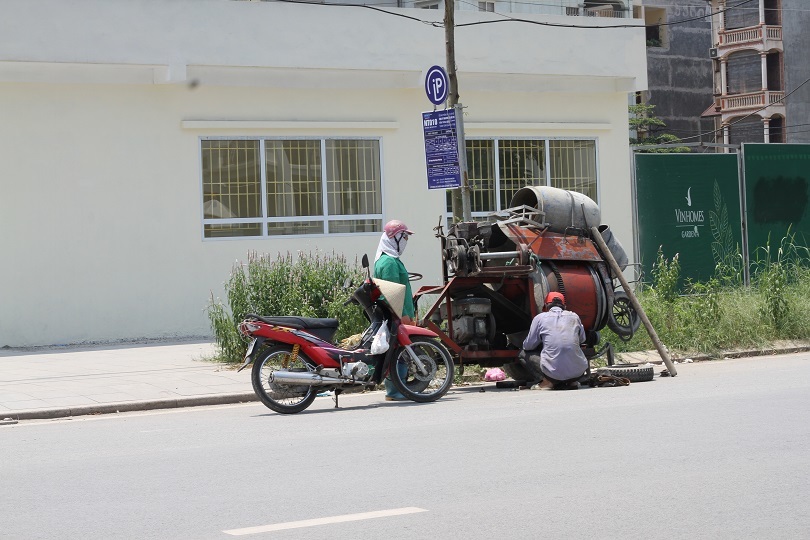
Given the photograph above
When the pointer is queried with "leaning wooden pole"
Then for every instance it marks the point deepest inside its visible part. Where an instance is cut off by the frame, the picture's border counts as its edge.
(597, 237)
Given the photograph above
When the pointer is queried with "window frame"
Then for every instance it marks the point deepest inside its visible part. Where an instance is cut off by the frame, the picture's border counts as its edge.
(478, 216)
(325, 218)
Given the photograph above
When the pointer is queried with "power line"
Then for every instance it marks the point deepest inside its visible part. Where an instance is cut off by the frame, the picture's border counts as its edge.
(560, 25)
(748, 115)
(507, 18)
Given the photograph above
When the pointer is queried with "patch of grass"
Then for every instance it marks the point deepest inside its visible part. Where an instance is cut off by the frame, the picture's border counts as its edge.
(722, 314)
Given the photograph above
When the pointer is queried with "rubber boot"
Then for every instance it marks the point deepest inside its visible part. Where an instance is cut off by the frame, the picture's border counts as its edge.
(391, 392)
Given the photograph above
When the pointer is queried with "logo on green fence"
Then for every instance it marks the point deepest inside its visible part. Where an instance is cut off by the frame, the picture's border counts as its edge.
(689, 221)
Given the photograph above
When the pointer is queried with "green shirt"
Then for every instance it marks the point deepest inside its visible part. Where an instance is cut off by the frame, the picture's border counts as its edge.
(390, 268)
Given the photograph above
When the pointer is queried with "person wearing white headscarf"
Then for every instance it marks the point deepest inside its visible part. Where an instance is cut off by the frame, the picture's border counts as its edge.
(389, 267)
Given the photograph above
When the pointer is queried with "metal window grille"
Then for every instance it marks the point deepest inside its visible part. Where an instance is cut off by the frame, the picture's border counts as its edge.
(231, 179)
(294, 181)
(520, 164)
(498, 168)
(481, 172)
(573, 166)
(284, 187)
(353, 172)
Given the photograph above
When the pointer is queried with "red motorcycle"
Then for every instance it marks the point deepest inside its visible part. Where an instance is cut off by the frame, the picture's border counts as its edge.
(294, 358)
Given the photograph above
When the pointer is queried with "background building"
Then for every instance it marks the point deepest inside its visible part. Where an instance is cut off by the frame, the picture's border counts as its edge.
(760, 54)
(679, 71)
(145, 146)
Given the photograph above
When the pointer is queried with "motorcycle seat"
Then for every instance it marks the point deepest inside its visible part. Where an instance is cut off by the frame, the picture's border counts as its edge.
(301, 323)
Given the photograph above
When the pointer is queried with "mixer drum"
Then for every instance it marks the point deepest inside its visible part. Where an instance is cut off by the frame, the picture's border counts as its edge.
(580, 284)
(563, 209)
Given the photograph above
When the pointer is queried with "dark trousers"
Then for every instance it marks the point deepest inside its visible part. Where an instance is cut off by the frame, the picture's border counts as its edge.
(530, 360)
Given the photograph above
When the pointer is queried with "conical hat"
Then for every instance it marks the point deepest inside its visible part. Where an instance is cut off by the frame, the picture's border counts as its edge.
(394, 293)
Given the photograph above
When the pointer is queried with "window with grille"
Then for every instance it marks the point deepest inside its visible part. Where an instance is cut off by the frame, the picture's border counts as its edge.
(486, 6)
(497, 168)
(271, 187)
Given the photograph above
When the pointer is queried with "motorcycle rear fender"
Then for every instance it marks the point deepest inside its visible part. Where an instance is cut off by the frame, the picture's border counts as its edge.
(405, 331)
(257, 344)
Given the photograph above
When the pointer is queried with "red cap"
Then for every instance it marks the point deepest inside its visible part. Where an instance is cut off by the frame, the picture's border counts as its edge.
(550, 297)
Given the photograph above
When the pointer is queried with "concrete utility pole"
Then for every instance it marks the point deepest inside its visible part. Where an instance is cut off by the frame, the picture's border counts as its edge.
(461, 196)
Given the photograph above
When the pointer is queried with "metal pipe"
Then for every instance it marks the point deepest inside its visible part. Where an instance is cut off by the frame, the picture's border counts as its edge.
(500, 255)
(597, 237)
(305, 377)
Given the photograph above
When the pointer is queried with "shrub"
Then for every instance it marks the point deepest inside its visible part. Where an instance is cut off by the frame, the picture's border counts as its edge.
(309, 285)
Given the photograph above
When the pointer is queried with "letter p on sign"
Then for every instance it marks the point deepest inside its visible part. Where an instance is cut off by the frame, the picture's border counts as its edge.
(436, 85)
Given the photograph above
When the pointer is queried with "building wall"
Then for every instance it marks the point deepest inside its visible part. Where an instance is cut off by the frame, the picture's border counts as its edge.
(795, 22)
(100, 221)
(680, 72)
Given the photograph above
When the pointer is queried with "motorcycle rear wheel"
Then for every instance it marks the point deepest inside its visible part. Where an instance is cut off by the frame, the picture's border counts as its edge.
(417, 386)
(282, 398)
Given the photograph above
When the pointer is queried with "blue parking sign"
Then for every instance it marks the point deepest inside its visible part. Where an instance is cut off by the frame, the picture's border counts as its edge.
(436, 85)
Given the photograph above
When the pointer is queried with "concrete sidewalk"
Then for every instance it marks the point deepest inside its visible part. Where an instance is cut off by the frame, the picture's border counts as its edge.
(67, 381)
(56, 382)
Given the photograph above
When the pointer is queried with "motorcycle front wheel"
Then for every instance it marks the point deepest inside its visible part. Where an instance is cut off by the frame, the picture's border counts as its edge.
(434, 381)
(282, 398)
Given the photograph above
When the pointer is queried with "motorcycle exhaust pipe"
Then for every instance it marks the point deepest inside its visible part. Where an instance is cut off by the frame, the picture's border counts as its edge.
(304, 377)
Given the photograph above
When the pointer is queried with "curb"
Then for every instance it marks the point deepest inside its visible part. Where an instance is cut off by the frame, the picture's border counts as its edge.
(11, 417)
(726, 355)
(129, 406)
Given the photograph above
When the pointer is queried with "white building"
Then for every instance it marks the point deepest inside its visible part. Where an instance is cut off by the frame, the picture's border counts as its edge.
(139, 137)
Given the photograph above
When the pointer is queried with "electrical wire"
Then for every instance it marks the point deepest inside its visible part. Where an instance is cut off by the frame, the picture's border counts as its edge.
(560, 25)
(783, 98)
(507, 18)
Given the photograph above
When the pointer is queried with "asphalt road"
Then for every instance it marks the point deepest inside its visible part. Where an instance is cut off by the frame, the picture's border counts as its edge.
(721, 451)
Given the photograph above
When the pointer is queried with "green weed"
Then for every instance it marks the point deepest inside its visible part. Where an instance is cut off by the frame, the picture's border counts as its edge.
(307, 285)
(722, 314)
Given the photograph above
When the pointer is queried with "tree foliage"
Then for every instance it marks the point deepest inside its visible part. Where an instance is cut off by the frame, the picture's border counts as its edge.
(643, 121)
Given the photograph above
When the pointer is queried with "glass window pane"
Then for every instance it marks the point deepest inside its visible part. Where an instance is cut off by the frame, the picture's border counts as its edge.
(293, 178)
(226, 230)
(520, 164)
(573, 166)
(481, 172)
(282, 228)
(355, 225)
(353, 177)
(230, 176)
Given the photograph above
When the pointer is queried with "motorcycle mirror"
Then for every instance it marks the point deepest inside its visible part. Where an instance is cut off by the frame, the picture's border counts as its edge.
(365, 260)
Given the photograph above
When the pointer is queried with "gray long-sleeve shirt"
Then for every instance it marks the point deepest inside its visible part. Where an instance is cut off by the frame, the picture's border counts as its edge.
(560, 333)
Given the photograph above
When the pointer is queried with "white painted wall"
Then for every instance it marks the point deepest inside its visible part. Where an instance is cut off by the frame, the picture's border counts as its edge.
(100, 214)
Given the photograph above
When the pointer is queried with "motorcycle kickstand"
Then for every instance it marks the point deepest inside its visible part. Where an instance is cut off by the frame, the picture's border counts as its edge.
(335, 399)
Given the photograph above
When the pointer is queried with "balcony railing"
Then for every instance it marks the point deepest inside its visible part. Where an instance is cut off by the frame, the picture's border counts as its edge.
(749, 35)
(751, 100)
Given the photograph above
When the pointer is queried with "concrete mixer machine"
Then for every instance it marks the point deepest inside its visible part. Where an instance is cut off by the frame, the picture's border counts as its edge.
(497, 274)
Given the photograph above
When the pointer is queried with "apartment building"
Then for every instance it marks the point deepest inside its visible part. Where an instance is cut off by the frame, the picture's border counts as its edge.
(761, 68)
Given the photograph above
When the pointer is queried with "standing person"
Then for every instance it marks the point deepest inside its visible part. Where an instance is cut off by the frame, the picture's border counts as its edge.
(389, 267)
(560, 333)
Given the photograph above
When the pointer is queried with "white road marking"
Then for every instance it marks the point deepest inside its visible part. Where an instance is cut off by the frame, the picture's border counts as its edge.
(324, 521)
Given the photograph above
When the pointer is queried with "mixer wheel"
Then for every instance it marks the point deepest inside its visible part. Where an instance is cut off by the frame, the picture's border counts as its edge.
(623, 318)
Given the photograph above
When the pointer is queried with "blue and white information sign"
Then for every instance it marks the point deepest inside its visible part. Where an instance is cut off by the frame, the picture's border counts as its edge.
(441, 149)
(436, 85)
